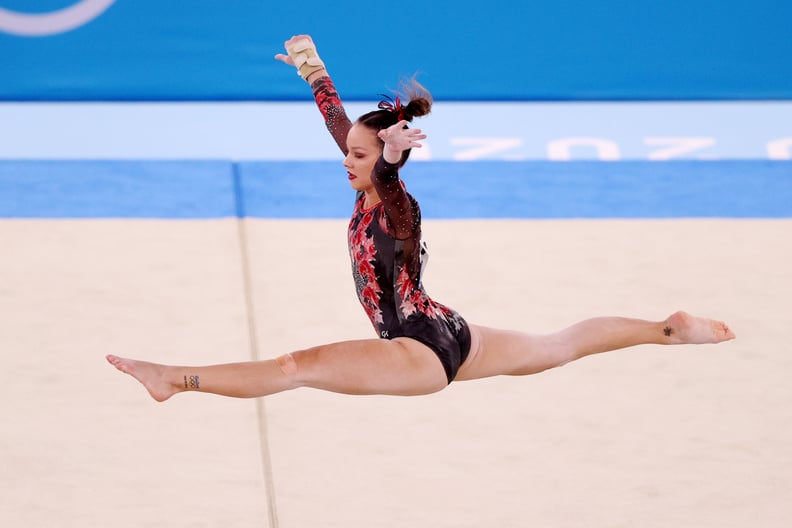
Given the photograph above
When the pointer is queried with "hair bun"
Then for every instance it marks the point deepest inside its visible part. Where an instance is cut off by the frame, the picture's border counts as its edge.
(417, 108)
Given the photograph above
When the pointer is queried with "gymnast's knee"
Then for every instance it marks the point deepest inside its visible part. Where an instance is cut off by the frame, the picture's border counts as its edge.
(287, 364)
(301, 367)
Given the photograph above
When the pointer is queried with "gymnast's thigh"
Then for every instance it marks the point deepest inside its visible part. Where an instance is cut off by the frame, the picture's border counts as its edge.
(400, 366)
(495, 352)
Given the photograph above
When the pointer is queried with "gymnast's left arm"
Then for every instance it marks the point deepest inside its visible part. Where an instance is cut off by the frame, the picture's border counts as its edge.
(403, 217)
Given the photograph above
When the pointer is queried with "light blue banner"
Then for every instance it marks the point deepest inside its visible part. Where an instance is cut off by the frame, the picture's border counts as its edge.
(458, 131)
(56, 50)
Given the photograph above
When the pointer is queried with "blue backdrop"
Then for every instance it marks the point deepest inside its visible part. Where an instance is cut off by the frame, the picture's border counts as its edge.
(465, 50)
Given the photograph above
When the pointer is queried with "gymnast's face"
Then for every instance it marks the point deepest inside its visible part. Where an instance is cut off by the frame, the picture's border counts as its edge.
(364, 149)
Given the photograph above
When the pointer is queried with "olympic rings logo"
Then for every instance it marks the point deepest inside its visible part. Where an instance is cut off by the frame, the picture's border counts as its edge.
(54, 22)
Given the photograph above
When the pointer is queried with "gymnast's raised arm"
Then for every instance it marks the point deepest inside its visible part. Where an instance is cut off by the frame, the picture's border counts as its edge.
(302, 55)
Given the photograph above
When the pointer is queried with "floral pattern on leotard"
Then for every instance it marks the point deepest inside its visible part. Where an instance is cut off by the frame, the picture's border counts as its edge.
(363, 254)
(414, 299)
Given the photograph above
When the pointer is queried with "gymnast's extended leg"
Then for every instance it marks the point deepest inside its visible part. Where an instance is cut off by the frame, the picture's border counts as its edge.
(503, 352)
(399, 366)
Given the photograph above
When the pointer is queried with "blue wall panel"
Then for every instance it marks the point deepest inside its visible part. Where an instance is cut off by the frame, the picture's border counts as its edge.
(116, 189)
(498, 189)
(498, 50)
(537, 189)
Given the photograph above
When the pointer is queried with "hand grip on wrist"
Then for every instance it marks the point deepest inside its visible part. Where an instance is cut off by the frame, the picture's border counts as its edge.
(305, 58)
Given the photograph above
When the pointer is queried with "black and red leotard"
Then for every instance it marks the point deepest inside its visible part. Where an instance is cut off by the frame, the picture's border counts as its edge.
(388, 255)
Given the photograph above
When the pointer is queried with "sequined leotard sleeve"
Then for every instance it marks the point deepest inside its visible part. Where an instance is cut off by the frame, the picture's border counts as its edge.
(335, 117)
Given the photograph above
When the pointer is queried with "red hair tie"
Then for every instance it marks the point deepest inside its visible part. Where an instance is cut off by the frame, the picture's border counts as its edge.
(392, 106)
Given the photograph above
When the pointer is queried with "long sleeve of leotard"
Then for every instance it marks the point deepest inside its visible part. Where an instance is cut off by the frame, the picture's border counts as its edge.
(402, 212)
(329, 104)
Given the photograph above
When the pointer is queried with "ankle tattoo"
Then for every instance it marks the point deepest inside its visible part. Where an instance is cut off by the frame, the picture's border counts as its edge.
(192, 382)
(668, 331)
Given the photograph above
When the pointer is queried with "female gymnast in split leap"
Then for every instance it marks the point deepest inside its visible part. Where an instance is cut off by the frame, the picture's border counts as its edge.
(421, 345)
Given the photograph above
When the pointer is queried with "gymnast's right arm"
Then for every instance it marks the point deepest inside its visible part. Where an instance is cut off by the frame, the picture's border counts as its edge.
(302, 55)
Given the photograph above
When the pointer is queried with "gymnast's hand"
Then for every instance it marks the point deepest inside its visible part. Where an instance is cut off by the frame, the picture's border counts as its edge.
(302, 55)
(284, 57)
(397, 139)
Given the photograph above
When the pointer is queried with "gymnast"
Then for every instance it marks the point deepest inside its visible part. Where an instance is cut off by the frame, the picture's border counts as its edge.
(421, 345)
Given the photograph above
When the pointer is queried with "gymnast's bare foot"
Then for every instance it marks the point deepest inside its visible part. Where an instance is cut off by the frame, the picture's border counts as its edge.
(151, 375)
(683, 328)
